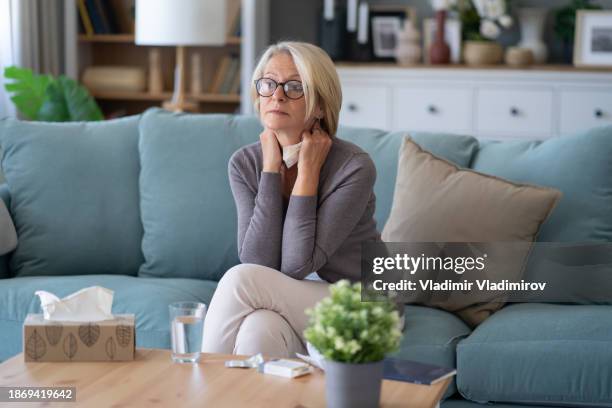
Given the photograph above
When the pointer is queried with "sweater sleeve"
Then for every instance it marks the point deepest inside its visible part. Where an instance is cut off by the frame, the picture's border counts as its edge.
(310, 235)
(259, 215)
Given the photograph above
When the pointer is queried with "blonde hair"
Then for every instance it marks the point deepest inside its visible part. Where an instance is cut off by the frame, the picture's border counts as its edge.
(319, 80)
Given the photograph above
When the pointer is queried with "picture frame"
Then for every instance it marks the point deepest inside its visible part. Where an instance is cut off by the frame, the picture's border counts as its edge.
(593, 38)
(452, 34)
(385, 21)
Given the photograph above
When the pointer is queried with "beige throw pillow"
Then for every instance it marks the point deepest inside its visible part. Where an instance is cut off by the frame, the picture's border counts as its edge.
(436, 201)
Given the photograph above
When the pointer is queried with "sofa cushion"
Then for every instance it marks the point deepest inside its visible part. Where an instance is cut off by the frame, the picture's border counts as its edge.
(147, 298)
(188, 211)
(435, 201)
(539, 354)
(430, 336)
(579, 166)
(383, 148)
(74, 196)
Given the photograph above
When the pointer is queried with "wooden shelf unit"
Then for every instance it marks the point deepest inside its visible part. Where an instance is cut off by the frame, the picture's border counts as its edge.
(146, 96)
(121, 50)
(129, 38)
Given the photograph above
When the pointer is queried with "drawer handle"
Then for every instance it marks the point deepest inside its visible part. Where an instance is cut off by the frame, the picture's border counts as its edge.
(432, 109)
(514, 111)
(598, 113)
(352, 107)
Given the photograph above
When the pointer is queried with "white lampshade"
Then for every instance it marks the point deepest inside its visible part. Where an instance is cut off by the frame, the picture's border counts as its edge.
(180, 22)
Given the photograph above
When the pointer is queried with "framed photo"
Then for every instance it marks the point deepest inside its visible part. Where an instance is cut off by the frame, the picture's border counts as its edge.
(385, 22)
(593, 38)
(452, 34)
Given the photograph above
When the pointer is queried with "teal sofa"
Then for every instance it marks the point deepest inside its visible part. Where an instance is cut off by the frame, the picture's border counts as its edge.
(142, 205)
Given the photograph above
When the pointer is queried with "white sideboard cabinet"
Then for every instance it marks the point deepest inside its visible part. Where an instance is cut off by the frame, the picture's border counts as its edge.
(497, 103)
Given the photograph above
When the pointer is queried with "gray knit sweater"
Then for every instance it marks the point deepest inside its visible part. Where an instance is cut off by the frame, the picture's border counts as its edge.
(321, 233)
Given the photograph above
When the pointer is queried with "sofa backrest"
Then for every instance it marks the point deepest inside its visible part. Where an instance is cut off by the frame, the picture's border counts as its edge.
(579, 165)
(188, 211)
(74, 196)
(384, 146)
(149, 194)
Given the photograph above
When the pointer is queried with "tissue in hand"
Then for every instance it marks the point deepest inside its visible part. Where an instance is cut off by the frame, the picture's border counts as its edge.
(91, 304)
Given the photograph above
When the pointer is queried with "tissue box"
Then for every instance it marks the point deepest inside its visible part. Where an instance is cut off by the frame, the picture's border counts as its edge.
(106, 340)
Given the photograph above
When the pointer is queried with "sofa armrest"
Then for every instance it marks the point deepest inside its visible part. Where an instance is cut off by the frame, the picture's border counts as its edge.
(5, 271)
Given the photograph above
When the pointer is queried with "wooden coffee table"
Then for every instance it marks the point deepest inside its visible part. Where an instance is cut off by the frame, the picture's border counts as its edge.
(153, 380)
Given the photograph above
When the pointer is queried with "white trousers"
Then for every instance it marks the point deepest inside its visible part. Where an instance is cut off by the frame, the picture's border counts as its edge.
(259, 309)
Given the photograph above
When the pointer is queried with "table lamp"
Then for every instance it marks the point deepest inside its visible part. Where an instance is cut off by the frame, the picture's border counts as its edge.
(180, 23)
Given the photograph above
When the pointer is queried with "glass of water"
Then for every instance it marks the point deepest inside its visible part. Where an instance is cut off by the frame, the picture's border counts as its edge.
(187, 330)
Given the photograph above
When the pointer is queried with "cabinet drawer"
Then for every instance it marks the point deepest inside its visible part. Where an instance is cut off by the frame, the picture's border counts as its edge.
(432, 109)
(515, 112)
(581, 110)
(364, 106)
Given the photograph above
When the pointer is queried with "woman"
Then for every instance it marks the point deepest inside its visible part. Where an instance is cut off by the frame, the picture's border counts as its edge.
(294, 218)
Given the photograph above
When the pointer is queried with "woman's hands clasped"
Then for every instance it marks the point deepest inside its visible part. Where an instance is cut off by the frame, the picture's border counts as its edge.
(313, 153)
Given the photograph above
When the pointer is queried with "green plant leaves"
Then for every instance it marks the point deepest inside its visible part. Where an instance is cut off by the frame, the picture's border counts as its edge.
(41, 97)
(565, 18)
(68, 101)
(29, 90)
(343, 328)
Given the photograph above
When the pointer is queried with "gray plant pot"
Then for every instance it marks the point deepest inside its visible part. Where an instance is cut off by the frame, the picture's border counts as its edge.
(353, 385)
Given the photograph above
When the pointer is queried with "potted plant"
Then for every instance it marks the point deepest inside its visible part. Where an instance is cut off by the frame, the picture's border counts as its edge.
(353, 337)
(565, 24)
(482, 22)
(45, 98)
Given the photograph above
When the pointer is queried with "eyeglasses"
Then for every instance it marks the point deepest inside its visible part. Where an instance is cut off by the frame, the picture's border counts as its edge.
(267, 86)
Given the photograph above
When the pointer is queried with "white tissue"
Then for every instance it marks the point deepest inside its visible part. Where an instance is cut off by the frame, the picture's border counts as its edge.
(91, 304)
(291, 154)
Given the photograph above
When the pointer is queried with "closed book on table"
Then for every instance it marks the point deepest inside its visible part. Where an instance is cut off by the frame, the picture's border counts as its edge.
(415, 372)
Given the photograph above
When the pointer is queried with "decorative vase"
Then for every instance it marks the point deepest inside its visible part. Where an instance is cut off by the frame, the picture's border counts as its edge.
(408, 50)
(439, 52)
(532, 27)
(353, 385)
(482, 53)
(518, 57)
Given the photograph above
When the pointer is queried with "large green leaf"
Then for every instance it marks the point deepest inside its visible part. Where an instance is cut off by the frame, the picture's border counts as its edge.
(68, 101)
(29, 90)
(40, 97)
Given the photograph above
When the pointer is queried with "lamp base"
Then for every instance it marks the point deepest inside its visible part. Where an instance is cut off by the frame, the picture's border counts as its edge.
(183, 106)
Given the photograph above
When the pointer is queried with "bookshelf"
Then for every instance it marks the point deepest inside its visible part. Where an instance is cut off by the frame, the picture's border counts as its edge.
(111, 42)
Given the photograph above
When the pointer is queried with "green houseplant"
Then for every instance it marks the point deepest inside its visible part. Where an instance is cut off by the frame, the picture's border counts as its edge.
(565, 24)
(481, 24)
(353, 337)
(45, 98)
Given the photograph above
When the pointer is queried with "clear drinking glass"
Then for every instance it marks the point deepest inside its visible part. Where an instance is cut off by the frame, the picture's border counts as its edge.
(187, 330)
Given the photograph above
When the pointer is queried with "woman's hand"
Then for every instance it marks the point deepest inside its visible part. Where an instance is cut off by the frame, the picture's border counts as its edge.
(314, 150)
(271, 149)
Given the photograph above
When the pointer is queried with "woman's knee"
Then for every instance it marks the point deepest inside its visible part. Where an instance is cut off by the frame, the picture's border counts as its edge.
(243, 275)
(265, 331)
